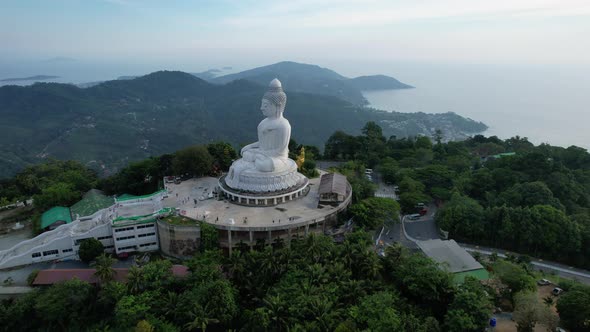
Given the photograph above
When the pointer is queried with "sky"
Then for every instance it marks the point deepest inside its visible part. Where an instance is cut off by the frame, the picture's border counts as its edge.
(258, 32)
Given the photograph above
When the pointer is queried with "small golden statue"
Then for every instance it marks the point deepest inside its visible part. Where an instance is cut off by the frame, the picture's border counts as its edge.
(301, 158)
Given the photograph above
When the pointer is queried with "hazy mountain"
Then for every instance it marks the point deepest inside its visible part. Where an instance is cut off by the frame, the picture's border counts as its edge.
(378, 82)
(298, 77)
(30, 78)
(118, 121)
(208, 74)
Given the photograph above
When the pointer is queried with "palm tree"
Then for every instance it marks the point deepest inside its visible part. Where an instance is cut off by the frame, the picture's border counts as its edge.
(351, 291)
(283, 258)
(314, 247)
(317, 274)
(338, 272)
(347, 254)
(323, 312)
(104, 268)
(369, 265)
(278, 312)
(171, 306)
(200, 319)
(135, 279)
(235, 265)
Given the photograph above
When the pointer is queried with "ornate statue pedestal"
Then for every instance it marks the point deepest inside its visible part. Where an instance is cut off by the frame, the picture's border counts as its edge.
(266, 198)
(256, 188)
(253, 180)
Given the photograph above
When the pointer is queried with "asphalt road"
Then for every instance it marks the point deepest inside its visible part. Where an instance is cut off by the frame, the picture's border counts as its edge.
(423, 228)
(547, 267)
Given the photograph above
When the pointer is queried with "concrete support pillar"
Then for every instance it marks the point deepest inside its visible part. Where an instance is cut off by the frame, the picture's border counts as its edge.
(289, 237)
(306, 229)
(274, 200)
(251, 240)
(269, 237)
(229, 241)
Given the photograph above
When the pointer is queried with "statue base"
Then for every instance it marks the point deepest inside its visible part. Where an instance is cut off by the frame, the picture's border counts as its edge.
(252, 180)
(261, 199)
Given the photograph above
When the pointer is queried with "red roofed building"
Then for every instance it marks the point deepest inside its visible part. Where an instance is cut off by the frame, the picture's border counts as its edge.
(52, 276)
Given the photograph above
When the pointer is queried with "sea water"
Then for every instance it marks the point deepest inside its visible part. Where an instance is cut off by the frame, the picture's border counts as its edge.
(546, 104)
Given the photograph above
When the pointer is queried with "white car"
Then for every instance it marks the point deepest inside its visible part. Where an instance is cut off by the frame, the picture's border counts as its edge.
(414, 216)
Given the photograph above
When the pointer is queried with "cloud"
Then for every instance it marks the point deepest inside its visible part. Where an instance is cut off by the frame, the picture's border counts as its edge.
(372, 13)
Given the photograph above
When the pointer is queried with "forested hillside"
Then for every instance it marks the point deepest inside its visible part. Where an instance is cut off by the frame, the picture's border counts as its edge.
(109, 124)
(509, 194)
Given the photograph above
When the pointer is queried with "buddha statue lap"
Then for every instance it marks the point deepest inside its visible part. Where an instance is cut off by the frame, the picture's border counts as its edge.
(265, 165)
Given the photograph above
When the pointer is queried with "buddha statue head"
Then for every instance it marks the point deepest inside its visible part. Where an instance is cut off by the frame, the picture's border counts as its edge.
(274, 100)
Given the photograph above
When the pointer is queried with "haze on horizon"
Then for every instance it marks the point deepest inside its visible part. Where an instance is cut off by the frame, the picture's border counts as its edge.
(196, 35)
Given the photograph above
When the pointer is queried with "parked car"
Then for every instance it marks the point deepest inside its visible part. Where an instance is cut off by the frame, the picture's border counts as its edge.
(556, 291)
(543, 282)
(414, 216)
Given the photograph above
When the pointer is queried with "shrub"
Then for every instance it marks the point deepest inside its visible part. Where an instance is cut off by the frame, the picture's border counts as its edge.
(90, 249)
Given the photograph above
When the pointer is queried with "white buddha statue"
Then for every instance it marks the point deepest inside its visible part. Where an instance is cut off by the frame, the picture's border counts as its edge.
(265, 165)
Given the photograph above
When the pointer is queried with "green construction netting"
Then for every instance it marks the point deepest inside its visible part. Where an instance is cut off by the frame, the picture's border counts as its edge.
(55, 214)
(93, 201)
(126, 197)
(145, 218)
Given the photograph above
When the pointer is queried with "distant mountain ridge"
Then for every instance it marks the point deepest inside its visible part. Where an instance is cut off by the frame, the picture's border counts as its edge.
(299, 77)
(378, 82)
(30, 78)
(112, 123)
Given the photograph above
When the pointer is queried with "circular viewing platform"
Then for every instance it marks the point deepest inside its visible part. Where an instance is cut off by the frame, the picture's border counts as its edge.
(237, 223)
(248, 198)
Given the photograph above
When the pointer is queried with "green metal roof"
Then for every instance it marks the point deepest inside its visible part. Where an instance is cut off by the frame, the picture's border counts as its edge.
(55, 214)
(479, 274)
(93, 201)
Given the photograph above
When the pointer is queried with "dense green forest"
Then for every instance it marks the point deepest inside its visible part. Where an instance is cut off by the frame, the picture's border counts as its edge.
(315, 285)
(507, 194)
(111, 124)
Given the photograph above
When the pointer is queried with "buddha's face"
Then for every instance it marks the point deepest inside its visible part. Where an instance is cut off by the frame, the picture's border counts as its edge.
(268, 109)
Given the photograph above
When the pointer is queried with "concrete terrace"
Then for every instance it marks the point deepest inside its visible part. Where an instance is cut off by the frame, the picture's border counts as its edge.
(225, 215)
